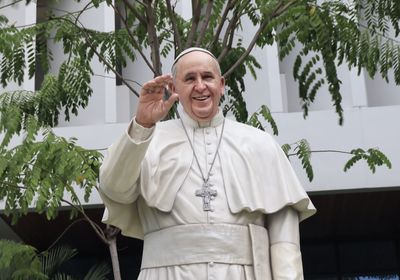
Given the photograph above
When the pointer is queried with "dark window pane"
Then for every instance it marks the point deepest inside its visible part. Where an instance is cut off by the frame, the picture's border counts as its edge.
(373, 277)
(367, 257)
(320, 277)
(319, 259)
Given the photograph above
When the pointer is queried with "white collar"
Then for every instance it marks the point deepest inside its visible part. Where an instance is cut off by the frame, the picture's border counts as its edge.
(188, 121)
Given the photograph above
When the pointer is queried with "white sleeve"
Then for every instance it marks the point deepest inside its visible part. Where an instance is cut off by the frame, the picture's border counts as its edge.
(120, 169)
(138, 133)
(283, 227)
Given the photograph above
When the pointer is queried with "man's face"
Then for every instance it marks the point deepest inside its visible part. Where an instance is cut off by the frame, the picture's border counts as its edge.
(199, 85)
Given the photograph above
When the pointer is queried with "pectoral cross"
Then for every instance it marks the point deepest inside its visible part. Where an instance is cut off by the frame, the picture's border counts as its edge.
(207, 194)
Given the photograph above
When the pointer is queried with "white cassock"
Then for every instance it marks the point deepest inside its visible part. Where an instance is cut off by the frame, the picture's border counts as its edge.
(148, 182)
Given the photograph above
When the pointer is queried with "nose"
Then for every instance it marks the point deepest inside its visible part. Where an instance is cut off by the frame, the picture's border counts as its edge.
(200, 85)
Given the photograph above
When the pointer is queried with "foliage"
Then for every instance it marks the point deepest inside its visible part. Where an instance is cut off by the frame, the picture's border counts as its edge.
(373, 157)
(97, 272)
(42, 167)
(328, 34)
(267, 116)
(39, 173)
(19, 261)
(302, 150)
(52, 260)
(38, 168)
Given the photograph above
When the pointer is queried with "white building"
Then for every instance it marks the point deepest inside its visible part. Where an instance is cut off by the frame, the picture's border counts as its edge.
(356, 231)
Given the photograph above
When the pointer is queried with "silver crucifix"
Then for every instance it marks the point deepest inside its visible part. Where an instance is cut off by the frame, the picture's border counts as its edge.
(207, 194)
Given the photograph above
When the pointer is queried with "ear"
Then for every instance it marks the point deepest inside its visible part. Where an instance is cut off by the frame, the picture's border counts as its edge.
(171, 87)
(222, 85)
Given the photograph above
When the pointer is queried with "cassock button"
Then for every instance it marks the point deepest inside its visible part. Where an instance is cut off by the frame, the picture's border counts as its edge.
(211, 264)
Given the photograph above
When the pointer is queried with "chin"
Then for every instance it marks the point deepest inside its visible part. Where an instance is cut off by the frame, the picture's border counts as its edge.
(203, 116)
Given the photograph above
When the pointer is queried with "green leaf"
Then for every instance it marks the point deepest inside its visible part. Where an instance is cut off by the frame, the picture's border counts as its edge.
(19, 261)
(303, 152)
(286, 149)
(372, 156)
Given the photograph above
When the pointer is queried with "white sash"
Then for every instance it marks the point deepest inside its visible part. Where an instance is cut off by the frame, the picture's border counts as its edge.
(205, 243)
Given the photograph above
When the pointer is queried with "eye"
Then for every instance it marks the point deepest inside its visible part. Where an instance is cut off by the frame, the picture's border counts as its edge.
(189, 79)
(208, 77)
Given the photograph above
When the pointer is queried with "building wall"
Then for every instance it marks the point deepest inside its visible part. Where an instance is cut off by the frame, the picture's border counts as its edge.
(371, 106)
(371, 109)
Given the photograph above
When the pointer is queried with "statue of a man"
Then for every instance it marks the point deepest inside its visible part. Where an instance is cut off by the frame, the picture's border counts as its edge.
(212, 198)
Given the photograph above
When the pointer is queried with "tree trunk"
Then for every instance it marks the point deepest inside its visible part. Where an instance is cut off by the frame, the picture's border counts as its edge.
(111, 233)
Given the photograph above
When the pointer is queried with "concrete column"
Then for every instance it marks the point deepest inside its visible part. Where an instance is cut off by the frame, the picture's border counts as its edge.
(110, 91)
(358, 89)
(274, 84)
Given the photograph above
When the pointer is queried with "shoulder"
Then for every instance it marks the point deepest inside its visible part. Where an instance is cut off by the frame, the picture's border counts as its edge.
(245, 131)
(167, 133)
(168, 124)
(250, 141)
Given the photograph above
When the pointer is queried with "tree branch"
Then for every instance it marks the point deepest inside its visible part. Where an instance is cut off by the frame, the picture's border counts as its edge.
(282, 8)
(135, 12)
(65, 231)
(153, 38)
(229, 33)
(325, 151)
(172, 18)
(133, 40)
(205, 23)
(10, 4)
(229, 6)
(248, 51)
(94, 226)
(196, 11)
(101, 58)
(111, 234)
(76, 20)
(278, 11)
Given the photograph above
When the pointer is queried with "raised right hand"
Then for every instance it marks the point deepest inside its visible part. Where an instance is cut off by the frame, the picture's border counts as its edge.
(152, 107)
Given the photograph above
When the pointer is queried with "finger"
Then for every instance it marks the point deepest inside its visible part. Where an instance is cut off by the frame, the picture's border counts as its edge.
(170, 88)
(157, 85)
(171, 100)
(159, 81)
(163, 79)
(152, 90)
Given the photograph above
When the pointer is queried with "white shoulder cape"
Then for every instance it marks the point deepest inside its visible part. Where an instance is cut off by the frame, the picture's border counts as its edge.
(256, 172)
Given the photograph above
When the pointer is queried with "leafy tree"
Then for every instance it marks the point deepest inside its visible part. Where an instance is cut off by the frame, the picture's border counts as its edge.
(19, 262)
(44, 167)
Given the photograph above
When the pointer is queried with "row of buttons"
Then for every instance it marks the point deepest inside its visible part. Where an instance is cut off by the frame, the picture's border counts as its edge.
(211, 273)
(210, 152)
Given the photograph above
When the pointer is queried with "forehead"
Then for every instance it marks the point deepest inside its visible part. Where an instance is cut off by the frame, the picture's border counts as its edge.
(196, 61)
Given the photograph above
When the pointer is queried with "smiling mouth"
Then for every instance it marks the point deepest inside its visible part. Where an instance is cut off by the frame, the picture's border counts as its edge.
(201, 98)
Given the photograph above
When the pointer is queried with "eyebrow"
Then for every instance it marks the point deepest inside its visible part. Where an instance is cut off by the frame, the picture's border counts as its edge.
(202, 73)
